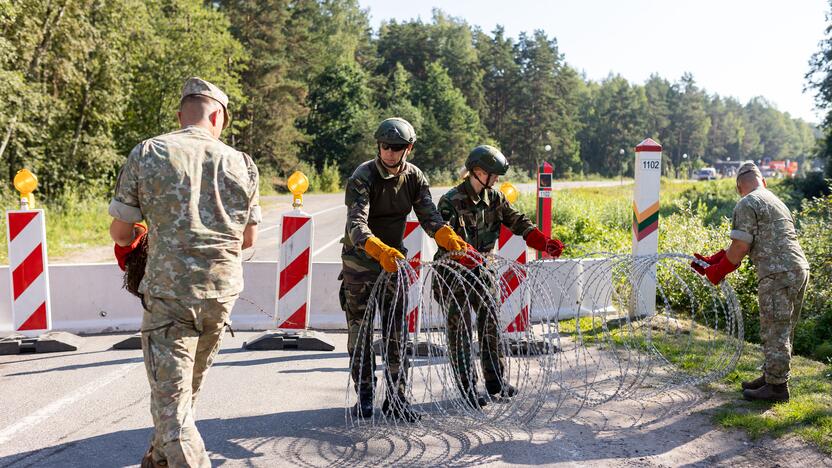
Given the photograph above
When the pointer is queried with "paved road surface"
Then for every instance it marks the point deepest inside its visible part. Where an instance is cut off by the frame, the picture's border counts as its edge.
(90, 408)
(329, 214)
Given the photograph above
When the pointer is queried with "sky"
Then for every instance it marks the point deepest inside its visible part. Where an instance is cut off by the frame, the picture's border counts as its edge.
(739, 48)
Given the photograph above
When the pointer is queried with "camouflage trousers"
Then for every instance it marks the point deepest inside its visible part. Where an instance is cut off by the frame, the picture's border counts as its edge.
(354, 301)
(460, 310)
(180, 340)
(780, 297)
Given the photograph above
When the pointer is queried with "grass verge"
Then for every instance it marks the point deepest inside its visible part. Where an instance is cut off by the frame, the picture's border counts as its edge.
(808, 414)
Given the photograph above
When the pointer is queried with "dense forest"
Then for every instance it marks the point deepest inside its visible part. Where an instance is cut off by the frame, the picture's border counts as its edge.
(82, 81)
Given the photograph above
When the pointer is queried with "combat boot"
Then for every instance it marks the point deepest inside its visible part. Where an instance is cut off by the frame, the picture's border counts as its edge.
(473, 399)
(364, 407)
(147, 460)
(754, 384)
(399, 408)
(768, 392)
(501, 389)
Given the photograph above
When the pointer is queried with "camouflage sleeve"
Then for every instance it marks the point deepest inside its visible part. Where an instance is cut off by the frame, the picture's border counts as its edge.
(357, 199)
(125, 203)
(254, 215)
(744, 222)
(425, 210)
(449, 215)
(448, 212)
(518, 223)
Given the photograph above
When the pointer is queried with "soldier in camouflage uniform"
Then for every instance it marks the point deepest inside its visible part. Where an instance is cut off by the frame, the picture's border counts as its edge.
(763, 228)
(200, 200)
(379, 196)
(476, 211)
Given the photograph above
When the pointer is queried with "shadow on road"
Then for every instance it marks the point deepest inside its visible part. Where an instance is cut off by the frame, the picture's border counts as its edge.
(320, 438)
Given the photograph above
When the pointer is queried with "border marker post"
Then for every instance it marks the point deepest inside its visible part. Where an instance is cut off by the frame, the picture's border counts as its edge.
(648, 172)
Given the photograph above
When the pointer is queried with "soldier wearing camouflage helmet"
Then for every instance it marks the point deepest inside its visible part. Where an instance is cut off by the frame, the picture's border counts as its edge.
(763, 228)
(476, 211)
(379, 196)
(201, 202)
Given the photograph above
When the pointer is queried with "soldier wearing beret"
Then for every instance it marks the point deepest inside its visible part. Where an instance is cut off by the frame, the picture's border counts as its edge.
(201, 202)
(763, 228)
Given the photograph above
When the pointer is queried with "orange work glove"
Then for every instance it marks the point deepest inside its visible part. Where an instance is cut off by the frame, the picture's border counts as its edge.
(122, 252)
(383, 253)
(446, 238)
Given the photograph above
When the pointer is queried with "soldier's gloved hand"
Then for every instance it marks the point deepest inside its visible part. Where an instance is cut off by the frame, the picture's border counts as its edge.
(712, 260)
(554, 247)
(449, 240)
(471, 259)
(383, 253)
(121, 252)
(717, 273)
(538, 241)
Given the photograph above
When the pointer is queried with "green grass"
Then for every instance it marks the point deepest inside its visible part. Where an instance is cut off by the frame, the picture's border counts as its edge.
(70, 227)
(808, 414)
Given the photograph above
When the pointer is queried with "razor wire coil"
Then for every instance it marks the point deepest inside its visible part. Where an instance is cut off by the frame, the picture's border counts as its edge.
(570, 335)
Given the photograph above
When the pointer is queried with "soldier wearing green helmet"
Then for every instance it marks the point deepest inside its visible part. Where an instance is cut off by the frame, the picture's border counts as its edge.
(476, 211)
(379, 196)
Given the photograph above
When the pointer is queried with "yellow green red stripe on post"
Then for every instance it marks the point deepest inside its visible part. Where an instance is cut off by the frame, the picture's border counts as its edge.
(645, 222)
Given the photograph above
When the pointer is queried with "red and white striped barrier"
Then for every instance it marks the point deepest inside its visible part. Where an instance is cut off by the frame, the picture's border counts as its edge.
(294, 266)
(514, 299)
(414, 237)
(31, 310)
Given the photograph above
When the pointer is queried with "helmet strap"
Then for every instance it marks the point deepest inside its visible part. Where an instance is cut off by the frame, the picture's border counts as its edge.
(484, 185)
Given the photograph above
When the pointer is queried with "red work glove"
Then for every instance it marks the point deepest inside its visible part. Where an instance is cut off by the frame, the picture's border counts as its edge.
(718, 272)
(122, 252)
(472, 259)
(712, 260)
(538, 241)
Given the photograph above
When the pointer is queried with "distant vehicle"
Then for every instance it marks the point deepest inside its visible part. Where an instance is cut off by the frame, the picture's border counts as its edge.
(706, 173)
(770, 173)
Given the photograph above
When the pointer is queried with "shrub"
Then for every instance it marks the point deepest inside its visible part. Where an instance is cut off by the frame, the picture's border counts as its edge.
(442, 177)
(269, 180)
(329, 179)
(823, 352)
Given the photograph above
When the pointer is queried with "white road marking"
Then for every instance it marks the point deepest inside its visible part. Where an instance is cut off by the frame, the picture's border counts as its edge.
(311, 214)
(47, 411)
(326, 246)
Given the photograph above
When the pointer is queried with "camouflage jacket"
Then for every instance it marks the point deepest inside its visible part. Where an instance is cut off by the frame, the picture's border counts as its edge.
(197, 195)
(762, 220)
(477, 217)
(378, 204)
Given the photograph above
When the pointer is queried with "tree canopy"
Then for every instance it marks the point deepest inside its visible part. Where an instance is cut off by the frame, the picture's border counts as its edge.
(81, 83)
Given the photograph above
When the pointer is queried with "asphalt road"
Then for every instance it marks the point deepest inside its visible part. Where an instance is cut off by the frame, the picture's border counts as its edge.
(90, 408)
(329, 214)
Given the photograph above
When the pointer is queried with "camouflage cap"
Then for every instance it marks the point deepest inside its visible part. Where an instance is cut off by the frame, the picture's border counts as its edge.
(195, 85)
(749, 167)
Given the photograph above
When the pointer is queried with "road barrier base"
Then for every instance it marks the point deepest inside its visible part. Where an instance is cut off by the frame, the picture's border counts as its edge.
(132, 342)
(50, 342)
(531, 347)
(301, 340)
(421, 348)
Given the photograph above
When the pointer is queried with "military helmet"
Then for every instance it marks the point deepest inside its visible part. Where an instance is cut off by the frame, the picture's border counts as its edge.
(395, 131)
(488, 158)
